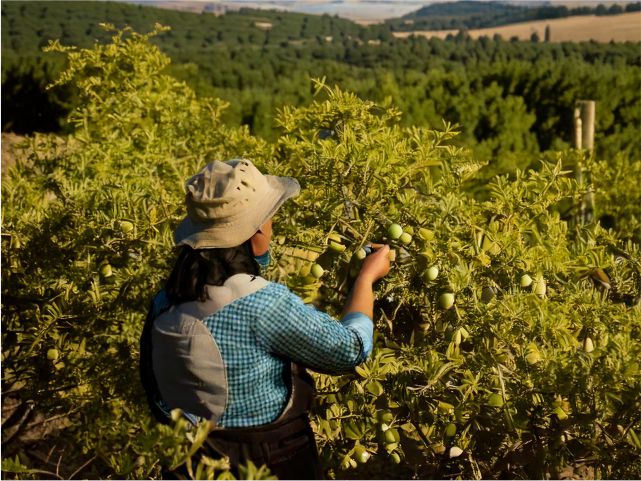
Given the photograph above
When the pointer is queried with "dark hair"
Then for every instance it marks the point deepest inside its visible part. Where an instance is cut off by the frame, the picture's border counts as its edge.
(195, 268)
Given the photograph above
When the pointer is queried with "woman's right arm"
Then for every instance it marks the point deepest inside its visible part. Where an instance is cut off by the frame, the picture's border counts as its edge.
(313, 338)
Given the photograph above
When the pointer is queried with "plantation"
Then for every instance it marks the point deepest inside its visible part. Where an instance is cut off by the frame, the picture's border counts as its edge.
(500, 350)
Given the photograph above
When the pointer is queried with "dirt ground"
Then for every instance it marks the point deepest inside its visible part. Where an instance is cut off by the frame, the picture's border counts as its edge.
(9, 142)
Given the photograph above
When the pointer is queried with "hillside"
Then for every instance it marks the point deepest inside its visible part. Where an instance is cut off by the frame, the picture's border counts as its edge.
(504, 93)
(27, 26)
(617, 28)
(469, 14)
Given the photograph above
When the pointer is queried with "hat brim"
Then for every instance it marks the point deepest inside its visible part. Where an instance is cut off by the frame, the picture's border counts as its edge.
(199, 235)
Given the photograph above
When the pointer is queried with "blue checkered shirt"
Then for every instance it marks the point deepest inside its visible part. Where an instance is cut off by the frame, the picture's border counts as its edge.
(261, 333)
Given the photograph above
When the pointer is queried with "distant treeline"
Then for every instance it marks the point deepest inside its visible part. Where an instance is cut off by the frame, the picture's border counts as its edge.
(475, 14)
(512, 99)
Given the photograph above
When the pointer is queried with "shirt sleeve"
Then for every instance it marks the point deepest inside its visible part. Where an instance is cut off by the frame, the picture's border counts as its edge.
(300, 332)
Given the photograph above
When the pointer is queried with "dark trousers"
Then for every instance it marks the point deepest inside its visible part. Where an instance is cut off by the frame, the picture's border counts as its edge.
(287, 447)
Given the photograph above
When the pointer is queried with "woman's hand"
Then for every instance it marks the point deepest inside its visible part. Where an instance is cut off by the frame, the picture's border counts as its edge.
(377, 264)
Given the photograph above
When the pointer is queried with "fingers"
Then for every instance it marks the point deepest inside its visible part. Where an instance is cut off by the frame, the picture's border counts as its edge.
(377, 246)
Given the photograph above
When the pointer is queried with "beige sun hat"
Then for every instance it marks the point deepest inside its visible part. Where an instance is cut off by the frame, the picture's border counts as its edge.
(227, 202)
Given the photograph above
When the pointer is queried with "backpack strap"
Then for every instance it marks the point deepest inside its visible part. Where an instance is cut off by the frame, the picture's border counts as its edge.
(158, 407)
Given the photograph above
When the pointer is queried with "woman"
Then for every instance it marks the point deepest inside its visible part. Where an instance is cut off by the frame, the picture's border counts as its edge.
(224, 344)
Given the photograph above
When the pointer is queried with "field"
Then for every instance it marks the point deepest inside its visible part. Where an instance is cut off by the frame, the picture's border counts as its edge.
(620, 28)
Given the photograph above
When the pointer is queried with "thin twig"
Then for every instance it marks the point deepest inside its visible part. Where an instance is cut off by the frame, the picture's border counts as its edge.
(58, 465)
(82, 467)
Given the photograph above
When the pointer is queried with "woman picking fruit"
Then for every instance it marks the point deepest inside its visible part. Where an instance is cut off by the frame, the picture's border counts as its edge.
(224, 344)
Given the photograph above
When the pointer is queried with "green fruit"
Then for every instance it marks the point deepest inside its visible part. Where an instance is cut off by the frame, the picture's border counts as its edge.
(125, 226)
(450, 430)
(405, 238)
(526, 280)
(317, 271)
(532, 355)
(52, 354)
(446, 300)
(106, 271)
(394, 231)
(360, 254)
(431, 273)
(396, 458)
(455, 452)
(336, 247)
(588, 345)
(392, 436)
(539, 287)
(495, 400)
(361, 454)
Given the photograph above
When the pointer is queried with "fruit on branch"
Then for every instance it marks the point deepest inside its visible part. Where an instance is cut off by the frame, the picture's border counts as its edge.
(392, 436)
(539, 287)
(360, 254)
(450, 430)
(532, 354)
(394, 231)
(106, 271)
(446, 300)
(455, 452)
(588, 345)
(431, 273)
(52, 354)
(317, 271)
(125, 226)
(405, 238)
(361, 454)
(526, 280)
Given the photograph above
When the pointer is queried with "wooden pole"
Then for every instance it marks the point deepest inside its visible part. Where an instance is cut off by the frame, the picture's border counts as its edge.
(584, 116)
(587, 109)
(578, 128)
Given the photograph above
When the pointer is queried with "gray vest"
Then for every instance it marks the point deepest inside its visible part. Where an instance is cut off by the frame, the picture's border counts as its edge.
(187, 363)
